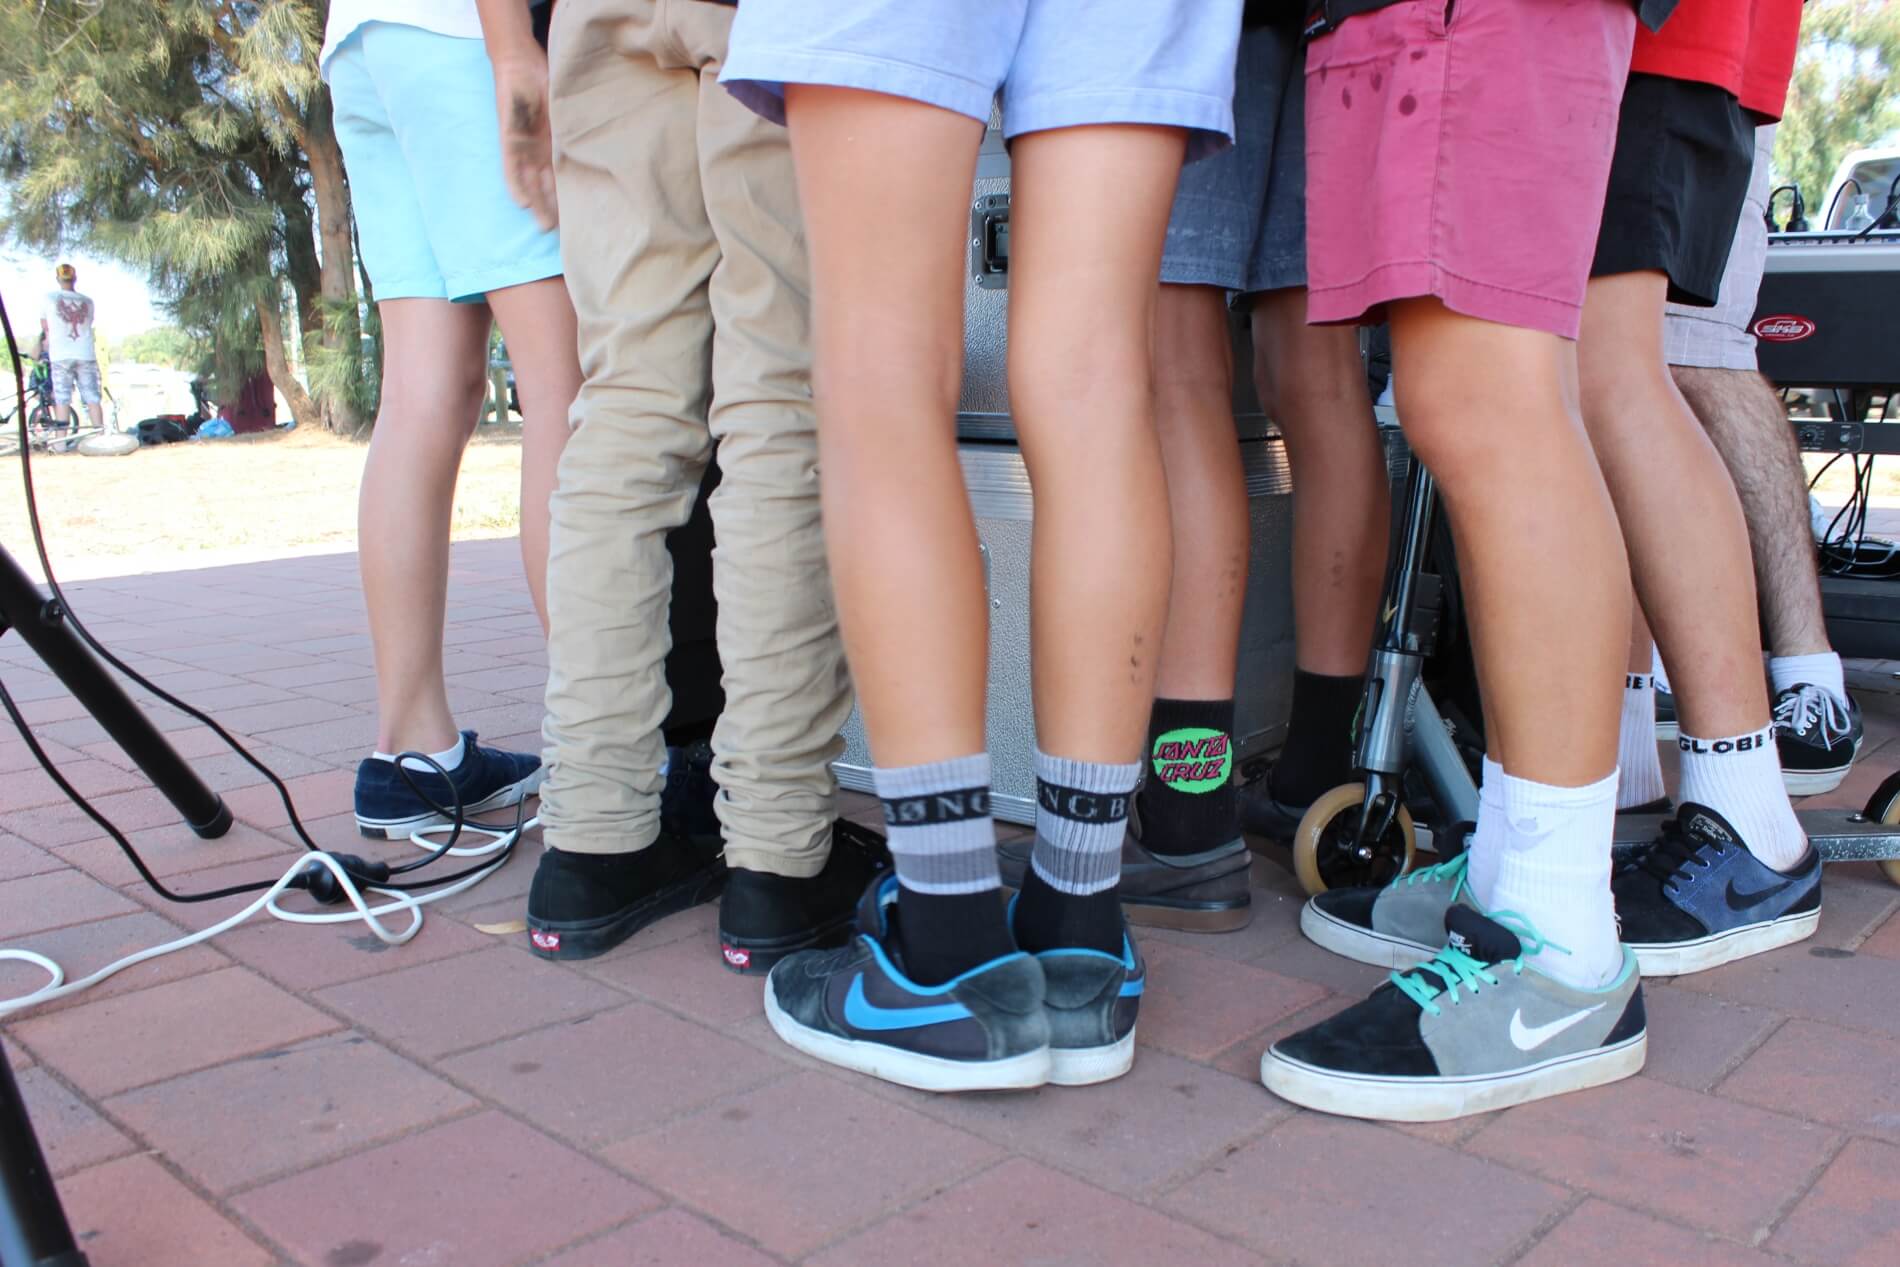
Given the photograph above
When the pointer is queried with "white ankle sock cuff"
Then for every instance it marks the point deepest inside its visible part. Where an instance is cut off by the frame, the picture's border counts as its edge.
(1823, 669)
(448, 758)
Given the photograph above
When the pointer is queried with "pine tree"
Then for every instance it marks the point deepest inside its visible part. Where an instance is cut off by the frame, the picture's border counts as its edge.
(193, 138)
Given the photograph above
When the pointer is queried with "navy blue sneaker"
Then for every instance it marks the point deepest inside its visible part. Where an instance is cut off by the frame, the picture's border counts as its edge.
(1697, 898)
(1091, 999)
(853, 1007)
(487, 779)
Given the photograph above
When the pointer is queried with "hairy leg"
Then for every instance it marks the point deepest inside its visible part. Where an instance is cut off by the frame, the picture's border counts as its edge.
(434, 379)
(537, 320)
(1313, 383)
(1745, 420)
(1207, 500)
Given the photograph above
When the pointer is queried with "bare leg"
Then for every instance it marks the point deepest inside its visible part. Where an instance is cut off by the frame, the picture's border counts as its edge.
(1088, 216)
(96, 410)
(1750, 430)
(434, 380)
(1537, 535)
(1207, 501)
(1313, 383)
(883, 182)
(1687, 541)
(537, 320)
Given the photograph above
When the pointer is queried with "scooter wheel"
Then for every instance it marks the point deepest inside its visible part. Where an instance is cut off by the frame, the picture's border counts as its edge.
(1884, 807)
(1325, 855)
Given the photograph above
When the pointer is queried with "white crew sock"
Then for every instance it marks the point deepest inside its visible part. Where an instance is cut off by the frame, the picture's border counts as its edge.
(1637, 761)
(1656, 670)
(1740, 779)
(1481, 876)
(1554, 871)
(1822, 670)
(448, 758)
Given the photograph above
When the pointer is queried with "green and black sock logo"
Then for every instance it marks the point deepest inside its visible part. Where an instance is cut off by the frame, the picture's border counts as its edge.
(1193, 759)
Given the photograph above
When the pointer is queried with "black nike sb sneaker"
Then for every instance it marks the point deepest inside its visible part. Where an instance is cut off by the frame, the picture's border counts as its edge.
(1819, 735)
(855, 1007)
(1697, 899)
(1476, 1027)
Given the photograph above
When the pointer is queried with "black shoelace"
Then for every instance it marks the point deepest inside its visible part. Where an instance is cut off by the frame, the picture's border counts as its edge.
(1676, 852)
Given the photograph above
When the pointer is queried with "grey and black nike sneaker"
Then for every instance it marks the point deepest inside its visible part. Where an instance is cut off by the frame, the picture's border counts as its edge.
(1396, 925)
(1206, 892)
(1818, 734)
(1697, 898)
(1475, 1028)
(1091, 999)
(854, 1007)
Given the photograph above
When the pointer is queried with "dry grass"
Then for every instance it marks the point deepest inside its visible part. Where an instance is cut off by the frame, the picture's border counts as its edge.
(182, 505)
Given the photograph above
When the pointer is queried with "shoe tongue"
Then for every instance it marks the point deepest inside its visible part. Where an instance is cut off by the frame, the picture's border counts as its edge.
(1483, 939)
(1704, 826)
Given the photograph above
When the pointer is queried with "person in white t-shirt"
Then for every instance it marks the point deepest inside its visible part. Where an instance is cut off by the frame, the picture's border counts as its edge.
(66, 333)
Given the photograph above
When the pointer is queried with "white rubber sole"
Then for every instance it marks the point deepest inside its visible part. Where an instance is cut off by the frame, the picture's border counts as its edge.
(501, 798)
(908, 1069)
(1360, 944)
(1679, 959)
(1081, 1067)
(1814, 782)
(1441, 1099)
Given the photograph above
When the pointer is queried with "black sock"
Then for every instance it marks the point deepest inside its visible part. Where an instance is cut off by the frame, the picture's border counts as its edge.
(943, 935)
(1048, 919)
(1318, 755)
(1187, 803)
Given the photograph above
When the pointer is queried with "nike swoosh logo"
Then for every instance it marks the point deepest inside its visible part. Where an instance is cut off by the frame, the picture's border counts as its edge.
(1531, 1037)
(861, 1013)
(1740, 901)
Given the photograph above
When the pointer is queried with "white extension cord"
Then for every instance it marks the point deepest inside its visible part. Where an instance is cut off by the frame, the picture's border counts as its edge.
(498, 842)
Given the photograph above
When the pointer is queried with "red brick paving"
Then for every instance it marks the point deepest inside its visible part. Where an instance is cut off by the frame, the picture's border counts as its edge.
(305, 1095)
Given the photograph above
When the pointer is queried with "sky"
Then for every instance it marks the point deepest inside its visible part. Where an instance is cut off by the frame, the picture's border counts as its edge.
(123, 300)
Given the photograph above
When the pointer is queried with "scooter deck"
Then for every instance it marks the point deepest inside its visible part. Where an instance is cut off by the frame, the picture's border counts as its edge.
(1839, 835)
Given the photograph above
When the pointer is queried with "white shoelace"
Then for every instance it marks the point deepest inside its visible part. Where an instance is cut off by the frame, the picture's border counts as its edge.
(1807, 709)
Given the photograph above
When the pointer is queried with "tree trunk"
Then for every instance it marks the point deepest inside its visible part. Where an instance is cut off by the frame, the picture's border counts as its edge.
(332, 192)
(270, 327)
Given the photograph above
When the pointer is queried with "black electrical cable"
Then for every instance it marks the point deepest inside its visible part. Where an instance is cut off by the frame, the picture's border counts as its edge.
(1886, 216)
(455, 814)
(1827, 221)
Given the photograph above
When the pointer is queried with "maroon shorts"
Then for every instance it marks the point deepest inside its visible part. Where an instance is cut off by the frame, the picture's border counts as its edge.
(1461, 150)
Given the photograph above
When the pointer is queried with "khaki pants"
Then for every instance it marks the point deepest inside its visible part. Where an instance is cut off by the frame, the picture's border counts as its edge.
(684, 252)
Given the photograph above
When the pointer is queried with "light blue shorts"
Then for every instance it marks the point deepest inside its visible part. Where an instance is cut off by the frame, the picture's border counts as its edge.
(415, 117)
(1239, 219)
(1059, 63)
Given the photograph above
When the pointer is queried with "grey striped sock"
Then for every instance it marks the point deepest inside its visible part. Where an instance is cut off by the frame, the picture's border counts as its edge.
(1081, 816)
(937, 817)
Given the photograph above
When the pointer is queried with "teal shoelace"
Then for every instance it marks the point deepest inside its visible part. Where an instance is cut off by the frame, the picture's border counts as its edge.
(1452, 869)
(1458, 970)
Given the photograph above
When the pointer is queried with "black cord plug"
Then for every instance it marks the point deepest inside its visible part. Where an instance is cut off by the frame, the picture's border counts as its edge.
(321, 882)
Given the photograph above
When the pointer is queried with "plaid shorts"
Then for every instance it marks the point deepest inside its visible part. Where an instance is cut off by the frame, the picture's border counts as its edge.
(70, 374)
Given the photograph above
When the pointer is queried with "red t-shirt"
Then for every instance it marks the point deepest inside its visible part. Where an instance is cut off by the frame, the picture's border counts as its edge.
(1745, 46)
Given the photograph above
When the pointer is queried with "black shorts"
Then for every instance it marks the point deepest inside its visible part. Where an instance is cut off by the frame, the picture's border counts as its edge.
(1684, 152)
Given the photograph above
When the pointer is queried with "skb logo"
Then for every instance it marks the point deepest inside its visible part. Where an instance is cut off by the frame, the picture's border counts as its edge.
(1783, 328)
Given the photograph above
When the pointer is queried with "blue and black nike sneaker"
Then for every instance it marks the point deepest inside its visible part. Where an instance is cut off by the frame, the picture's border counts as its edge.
(387, 807)
(854, 1007)
(1698, 899)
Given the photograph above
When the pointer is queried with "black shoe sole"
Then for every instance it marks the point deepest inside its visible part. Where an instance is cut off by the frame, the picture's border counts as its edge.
(589, 939)
(755, 956)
